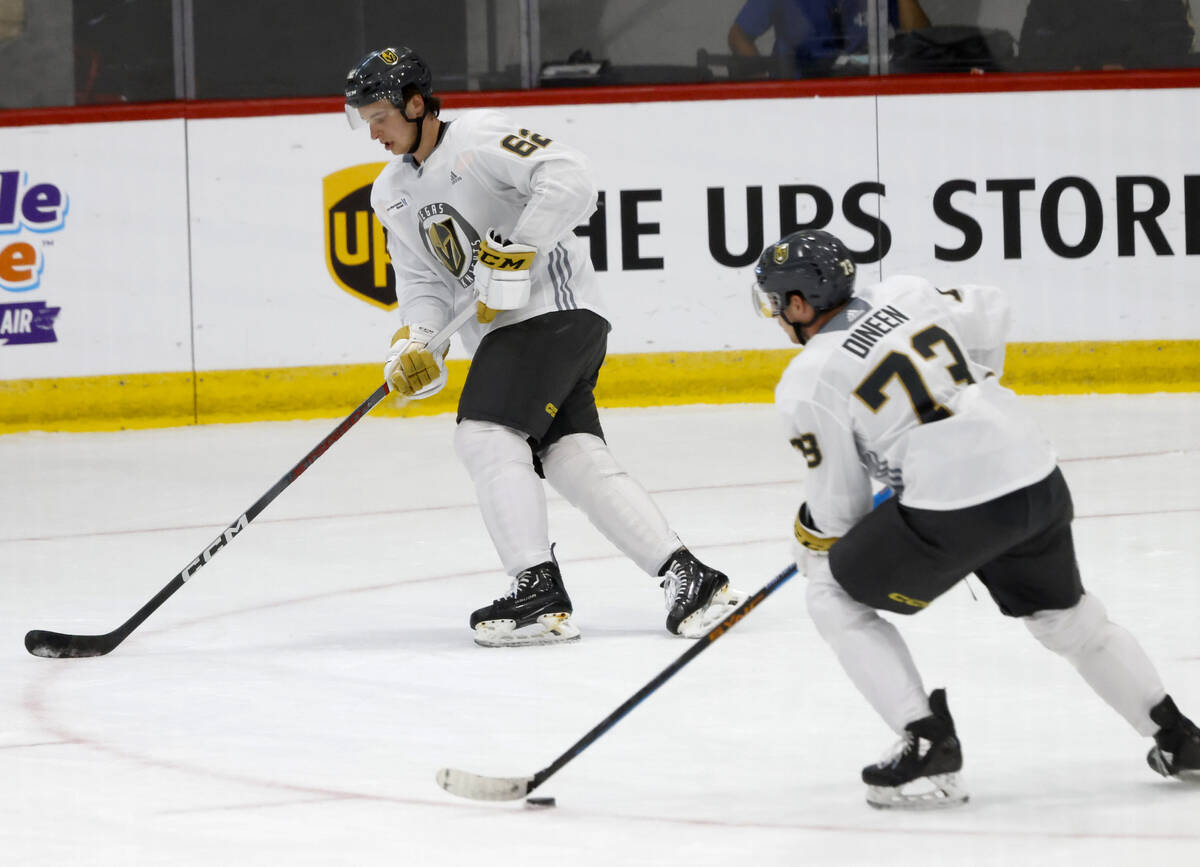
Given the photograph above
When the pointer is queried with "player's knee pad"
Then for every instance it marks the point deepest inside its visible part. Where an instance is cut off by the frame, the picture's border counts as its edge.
(833, 611)
(576, 461)
(581, 468)
(1067, 631)
(483, 446)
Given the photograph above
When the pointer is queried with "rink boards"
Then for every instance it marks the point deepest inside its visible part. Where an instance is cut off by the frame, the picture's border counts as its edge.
(171, 270)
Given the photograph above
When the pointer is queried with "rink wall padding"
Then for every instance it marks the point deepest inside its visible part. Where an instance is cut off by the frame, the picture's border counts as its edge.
(1113, 367)
(218, 261)
(628, 380)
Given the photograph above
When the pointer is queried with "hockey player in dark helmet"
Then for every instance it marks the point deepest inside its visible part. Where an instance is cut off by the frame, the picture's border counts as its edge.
(480, 212)
(899, 385)
(387, 79)
(814, 267)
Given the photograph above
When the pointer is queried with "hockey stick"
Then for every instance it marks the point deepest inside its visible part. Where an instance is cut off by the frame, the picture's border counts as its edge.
(41, 642)
(481, 788)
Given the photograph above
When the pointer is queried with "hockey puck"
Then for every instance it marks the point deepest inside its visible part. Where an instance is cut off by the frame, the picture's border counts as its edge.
(540, 802)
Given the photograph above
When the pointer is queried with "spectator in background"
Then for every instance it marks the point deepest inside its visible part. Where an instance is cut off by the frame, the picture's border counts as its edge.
(12, 18)
(813, 33)
(1106, 34)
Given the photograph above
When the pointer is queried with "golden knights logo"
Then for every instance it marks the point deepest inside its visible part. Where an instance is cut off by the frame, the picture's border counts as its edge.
(781, 253)
(444, 242)
(355, 241)
(450, 239)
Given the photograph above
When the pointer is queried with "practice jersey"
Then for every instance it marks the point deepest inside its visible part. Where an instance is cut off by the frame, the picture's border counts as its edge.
(486, 173)
(902, 386)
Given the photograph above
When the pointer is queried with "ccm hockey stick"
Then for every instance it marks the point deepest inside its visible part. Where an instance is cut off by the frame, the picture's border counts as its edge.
(481, 788)
(42, 642)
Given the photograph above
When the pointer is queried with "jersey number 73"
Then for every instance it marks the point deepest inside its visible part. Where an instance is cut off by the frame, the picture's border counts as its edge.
(902, 367)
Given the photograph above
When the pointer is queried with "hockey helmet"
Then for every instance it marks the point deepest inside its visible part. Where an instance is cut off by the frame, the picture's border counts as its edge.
(383, 74)
(814, 264)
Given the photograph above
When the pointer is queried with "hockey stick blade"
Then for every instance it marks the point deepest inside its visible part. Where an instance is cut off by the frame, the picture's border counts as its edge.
(481, 788)
(59, 645)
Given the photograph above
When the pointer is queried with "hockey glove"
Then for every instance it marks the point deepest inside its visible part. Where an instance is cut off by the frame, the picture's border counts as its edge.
(501, 276)
(807, 533)
(810, 548)
(411, 369)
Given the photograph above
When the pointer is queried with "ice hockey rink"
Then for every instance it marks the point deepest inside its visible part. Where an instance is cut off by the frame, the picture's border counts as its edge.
(292, 703)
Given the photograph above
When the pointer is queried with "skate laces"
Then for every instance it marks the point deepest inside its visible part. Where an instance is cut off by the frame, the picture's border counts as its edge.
(519, 583)
(676, 584)
(897, 751)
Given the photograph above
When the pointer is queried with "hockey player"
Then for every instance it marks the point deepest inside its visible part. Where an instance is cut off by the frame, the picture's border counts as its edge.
(898, 383)
(480, 211)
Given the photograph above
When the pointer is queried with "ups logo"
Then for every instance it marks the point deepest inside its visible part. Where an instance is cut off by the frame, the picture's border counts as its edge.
(355, 242)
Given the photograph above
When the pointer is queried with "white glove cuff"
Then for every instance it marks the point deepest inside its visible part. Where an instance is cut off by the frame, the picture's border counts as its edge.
(505, 292)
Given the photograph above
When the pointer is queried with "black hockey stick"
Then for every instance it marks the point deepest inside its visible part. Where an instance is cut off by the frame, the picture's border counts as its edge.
(41, 642)
(481, 788)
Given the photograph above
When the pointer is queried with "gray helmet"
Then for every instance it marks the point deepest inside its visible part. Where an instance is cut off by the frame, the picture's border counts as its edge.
(815, 264)
(384, 74)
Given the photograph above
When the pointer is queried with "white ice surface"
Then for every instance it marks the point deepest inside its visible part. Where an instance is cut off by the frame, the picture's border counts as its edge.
(292, 703)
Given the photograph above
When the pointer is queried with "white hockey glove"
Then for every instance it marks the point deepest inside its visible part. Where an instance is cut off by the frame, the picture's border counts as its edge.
(501, 276)
(807, 533)
(810, 547)
(411, 369)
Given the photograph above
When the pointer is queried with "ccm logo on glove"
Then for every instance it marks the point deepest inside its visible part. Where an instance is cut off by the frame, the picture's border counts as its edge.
(505, 260)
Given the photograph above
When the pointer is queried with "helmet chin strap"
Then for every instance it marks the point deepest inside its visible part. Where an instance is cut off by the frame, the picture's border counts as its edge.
(420, 122)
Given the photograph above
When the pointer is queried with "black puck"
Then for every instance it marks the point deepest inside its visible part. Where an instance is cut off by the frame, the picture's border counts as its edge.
(540, 802)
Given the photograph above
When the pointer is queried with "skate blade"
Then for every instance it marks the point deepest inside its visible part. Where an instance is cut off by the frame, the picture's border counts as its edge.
(549, 629)
(928, 793)
(723, 603)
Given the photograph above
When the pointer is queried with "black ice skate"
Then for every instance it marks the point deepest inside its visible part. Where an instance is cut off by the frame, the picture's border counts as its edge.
(922, 772)
(1176, 750)
(536, 610)
(697, 597)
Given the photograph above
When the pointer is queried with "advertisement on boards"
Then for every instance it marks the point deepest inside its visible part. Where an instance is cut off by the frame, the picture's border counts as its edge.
(31, 213)
(94, 253)
(248, 243)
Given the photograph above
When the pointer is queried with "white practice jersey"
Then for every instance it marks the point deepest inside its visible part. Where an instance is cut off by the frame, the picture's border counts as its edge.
(902, 386)
(487, 173)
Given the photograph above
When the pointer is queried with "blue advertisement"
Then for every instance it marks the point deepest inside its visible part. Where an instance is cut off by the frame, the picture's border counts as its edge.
(30, 212)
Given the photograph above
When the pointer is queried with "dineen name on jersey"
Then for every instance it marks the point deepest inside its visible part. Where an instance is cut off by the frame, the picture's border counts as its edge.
(868, 332)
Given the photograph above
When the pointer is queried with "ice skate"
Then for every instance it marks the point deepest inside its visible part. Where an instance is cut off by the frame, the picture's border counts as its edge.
(1176, 750)
(697, 597)
(921, 773)
(536, 610)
